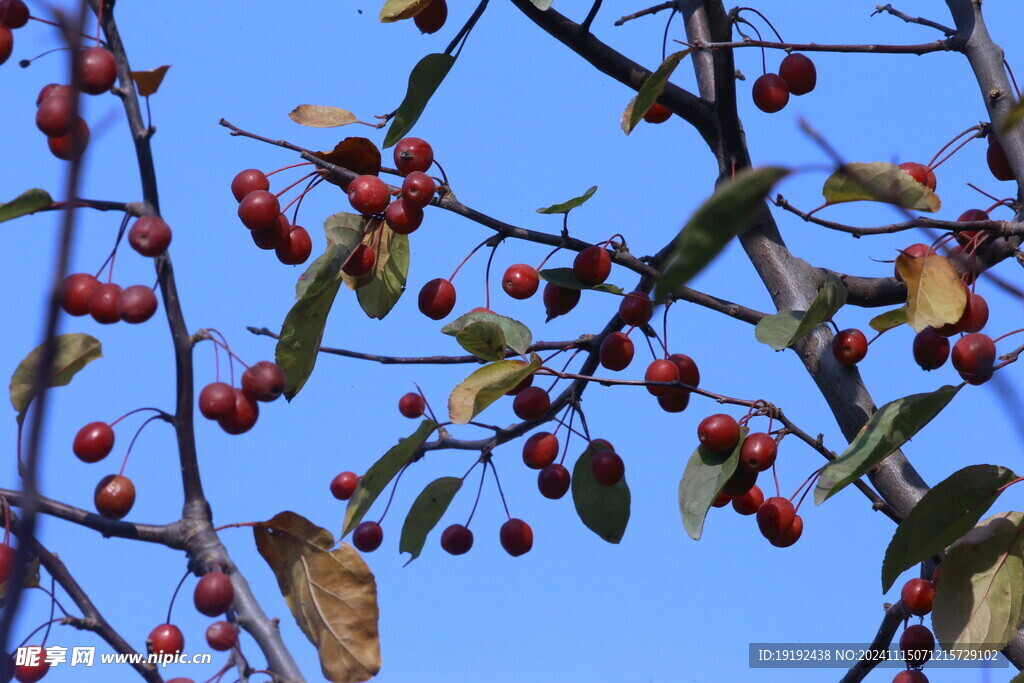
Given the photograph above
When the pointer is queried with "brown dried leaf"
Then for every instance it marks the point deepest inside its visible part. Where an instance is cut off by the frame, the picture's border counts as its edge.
(358, 155)
(148, 82)
(935, 294)
(321, 116)
(331, 593)
(396, 10)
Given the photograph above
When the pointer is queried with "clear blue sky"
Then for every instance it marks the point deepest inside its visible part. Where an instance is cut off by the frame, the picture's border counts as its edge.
(521, 122)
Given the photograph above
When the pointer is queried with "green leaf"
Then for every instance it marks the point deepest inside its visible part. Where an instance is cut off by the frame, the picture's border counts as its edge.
(321, 116)
(879, 182)
(517, 335)
(381, 473)
(892, 426)
(74, 352)
(301, 334)
(650, 90)
(27, 202)
(425, 513)
(1013, 118)
(564, 277)
(566, 207)
(777, 330)
(484, 340)
(396, 10)
(782, 330)
(379, 295)
(603, 509)
(344, 232)
(424, 80)
(486, 385)
(978, 599)
(943, 515)
(733, 208)
(703, 479)
(889, 320)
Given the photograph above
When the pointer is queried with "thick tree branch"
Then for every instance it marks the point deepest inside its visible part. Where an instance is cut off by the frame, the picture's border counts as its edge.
(200, 541)
(894, 616)
(645, 12)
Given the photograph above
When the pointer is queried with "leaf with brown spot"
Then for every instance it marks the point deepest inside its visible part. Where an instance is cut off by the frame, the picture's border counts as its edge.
(331, 593)
(148, 82)
(935, 294)
(321, 116)
(358, 155)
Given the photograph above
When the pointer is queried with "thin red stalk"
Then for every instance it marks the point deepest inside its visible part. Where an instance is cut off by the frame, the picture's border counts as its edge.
(138, 431)
(479, 490)
(932, 164)
(174, 597)
(285, 168)
(498, 482)
(468, 256)
(303, 178)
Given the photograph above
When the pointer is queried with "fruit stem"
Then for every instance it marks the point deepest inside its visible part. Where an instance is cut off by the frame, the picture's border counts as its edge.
(1009, 484)
(298, 200)
(809, 482)
(53, 608)
(1008, 334)
(568, 437)
(394, 488)
(463, 33)
(1013, 80)
(117, 242)
(654, 355)
(550, 254)
(468, 256)
(303, 178)
(37, 630)
(763, 18)
(932, 165)
(583, 418)
(54, 598)
(426, 402)
(137, 432)
(139, 410)
(764, 61)
(498, 482)
(479, 489)
(231, 354)
(236, 525)
(775, 476)
(285, 168)
(982, 192)
(664, 36)
(487, 278)
(175, 595)
(444, 176)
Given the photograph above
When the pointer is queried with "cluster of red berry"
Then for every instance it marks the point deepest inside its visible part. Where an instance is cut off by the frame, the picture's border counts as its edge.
(236, 409)
(260, 211)
(797, 76)
(115, 494)
(917, 641)
(106, 302)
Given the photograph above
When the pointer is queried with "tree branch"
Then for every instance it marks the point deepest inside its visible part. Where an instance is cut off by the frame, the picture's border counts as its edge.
(913, 20)
(921, 49)
(894, 616)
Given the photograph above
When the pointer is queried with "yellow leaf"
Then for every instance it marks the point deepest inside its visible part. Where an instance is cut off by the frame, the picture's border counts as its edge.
(396, 10)
(148, 82)
(331, 593)
(935, 294)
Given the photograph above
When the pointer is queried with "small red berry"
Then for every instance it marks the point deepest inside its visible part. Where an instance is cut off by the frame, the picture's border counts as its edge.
(432, 17)
(411, 405)
(457, 539)
(344, 485)
(974, 356)
(657, 114)
(592, 266)
(244, 415)
(749, 502)
(921, 173)
(264, 381)
(402, 217)
(249, 180)
(616, 352)
(259, 210)
(636, 309)
(849, 347)
(413, 154)
(553, 481)
(367, 537)
(98, 70)
(758, 452)
(531, 403)
(997, 161)
(559, 300)
(775, 517)
(360, 262)
(608, 468)
(917, 596)
(437, 299)
(78, 287)
(718, 432)
(520, 281)
(790, 535)
(930, 349)
(13, 13)
(770, 93)
(516, 537)
(114, 496)
(297, 249)
(103, 303)
(418, 189)
(136, 304)
(917, 644)
(216, 400)
(799, 73)
(221, 635)
(368, 195)
(661, 370)
(213, 594)
(69, 147)
(93, 442)
(165, 639)
(540, 450)
(150, 236)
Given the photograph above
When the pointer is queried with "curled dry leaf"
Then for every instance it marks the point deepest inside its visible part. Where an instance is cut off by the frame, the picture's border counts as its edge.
(331, 593)
(148, 82)
(358, 155)
(321, 116)
(396, 10)
(935, 294)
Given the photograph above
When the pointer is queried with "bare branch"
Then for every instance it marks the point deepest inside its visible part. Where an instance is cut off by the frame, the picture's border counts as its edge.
(888, 9)
(894, 616)
(645, 12)
(921, 49)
